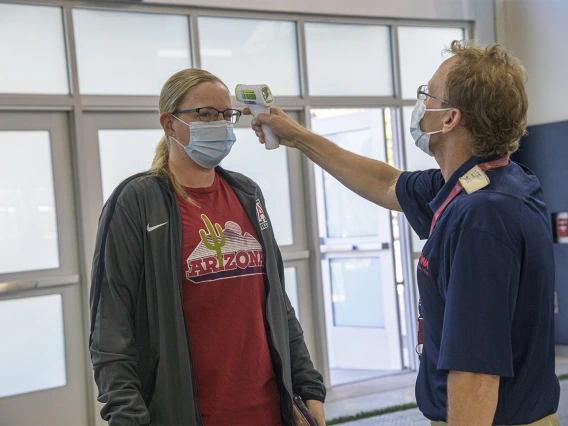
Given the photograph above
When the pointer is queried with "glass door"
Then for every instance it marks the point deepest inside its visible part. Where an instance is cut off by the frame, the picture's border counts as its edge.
(357, 258)
(42, 322)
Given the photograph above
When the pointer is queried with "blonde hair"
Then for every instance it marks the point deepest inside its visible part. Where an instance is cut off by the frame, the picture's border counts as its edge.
(487, 84)
(171, 97)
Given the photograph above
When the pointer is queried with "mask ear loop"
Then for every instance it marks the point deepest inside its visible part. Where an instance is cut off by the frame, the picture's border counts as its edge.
(187, 124)
(436, 110)
(179, 143)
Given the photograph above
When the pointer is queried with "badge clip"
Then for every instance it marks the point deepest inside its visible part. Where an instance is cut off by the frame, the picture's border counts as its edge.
(474, 180)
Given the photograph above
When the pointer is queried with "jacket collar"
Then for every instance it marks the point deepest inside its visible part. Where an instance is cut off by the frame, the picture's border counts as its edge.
(234, 179)
(237, 180)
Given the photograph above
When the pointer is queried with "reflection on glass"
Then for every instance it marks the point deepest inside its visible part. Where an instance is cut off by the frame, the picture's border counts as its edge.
(356, 292)
(124, 153)
(349, 60)
(420, 52)
(269, 169)
(32, 48)
(292, 288)
(250, 51)
(31, 331)
(125, 53)
(28, 225)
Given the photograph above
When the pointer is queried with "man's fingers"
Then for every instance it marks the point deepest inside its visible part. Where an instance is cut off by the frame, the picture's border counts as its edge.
(246, 111)
(261, 119)
(276, 110)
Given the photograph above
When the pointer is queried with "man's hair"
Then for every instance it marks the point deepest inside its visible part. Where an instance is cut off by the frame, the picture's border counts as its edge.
(487, 84)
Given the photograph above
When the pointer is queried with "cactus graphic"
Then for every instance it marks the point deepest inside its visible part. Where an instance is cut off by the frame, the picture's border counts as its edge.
(217, 237)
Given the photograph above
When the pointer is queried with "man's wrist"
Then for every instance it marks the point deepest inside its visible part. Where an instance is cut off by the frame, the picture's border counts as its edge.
(304, 139)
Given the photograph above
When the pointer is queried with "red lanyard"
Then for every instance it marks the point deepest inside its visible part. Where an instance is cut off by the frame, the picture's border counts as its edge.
(501, 162)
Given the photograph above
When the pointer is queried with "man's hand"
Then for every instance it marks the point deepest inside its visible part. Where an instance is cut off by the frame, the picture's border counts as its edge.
(283, 126)
(316, 409)
(472, 398)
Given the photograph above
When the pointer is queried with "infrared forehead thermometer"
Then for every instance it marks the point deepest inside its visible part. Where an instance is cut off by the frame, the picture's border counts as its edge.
(258, 98)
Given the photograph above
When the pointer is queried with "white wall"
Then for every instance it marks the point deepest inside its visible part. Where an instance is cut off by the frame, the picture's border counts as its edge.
(418, 9)
(537, 32)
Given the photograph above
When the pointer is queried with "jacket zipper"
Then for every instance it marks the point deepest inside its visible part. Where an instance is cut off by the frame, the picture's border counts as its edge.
(180, 281)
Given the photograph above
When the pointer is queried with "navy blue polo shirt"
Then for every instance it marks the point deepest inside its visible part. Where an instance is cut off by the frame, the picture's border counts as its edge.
(486, 281)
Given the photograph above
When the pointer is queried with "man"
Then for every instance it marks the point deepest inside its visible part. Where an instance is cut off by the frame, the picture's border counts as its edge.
(486, 275)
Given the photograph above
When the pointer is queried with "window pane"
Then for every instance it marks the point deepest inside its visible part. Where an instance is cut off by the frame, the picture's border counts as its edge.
(348, 214)
(124, 153)
(356, 292)
(28, 225)
(349, 60)
(269, 169)
(251, 51)
(359, 131)
(124, 53)
(31, 331)
(32, 48)
(292, 289)
(420, 51)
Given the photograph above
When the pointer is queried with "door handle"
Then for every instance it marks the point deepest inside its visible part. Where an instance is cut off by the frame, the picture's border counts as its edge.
(340, 248)
(374, 246)
(337, 248)
(17, 286)
(43, 283)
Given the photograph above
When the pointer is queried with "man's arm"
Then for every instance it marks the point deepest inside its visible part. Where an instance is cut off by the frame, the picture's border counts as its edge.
(371, 179)
(472, 398)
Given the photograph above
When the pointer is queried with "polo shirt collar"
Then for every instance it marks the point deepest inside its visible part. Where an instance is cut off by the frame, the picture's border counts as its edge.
(449, 185)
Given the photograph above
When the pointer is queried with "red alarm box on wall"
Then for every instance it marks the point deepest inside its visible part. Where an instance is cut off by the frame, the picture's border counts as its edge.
(560, 227)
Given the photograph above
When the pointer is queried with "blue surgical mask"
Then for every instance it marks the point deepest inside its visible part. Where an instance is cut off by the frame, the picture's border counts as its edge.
(422, 139)
(209, 142)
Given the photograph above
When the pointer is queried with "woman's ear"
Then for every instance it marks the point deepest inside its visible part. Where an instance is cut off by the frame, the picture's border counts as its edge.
(167, 122)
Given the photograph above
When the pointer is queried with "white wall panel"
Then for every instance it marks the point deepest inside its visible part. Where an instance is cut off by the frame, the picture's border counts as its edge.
(536, 31)
(417, 9)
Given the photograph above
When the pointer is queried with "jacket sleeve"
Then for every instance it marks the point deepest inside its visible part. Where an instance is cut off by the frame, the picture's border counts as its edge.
(306, 380)
(117, 270)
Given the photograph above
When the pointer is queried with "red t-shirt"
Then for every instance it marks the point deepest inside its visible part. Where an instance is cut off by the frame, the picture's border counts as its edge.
(224, 301)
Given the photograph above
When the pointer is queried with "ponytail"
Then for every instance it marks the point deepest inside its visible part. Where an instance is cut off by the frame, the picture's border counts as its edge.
(161, 165)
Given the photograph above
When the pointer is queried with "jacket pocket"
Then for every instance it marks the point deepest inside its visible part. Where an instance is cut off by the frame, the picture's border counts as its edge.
(150, 394)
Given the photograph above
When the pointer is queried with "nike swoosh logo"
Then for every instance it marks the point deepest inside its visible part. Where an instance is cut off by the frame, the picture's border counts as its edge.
(151, 228)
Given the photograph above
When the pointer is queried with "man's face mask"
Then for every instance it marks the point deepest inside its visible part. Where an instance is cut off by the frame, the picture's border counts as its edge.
(209, 142)
(422, 139)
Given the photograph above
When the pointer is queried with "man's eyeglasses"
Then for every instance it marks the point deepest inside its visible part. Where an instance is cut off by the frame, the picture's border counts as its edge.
(422, 92)
(211, 114)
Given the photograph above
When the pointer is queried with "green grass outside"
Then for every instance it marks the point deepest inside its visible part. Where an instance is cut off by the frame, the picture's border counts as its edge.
(366, 414)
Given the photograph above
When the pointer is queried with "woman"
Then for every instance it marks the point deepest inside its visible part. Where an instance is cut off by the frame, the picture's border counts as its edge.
(190, 323)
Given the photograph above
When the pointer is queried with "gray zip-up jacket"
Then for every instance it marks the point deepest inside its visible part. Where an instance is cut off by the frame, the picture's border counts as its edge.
(139, 339)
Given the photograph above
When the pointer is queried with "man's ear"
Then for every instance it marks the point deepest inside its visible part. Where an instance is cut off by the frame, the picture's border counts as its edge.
(451, 120)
